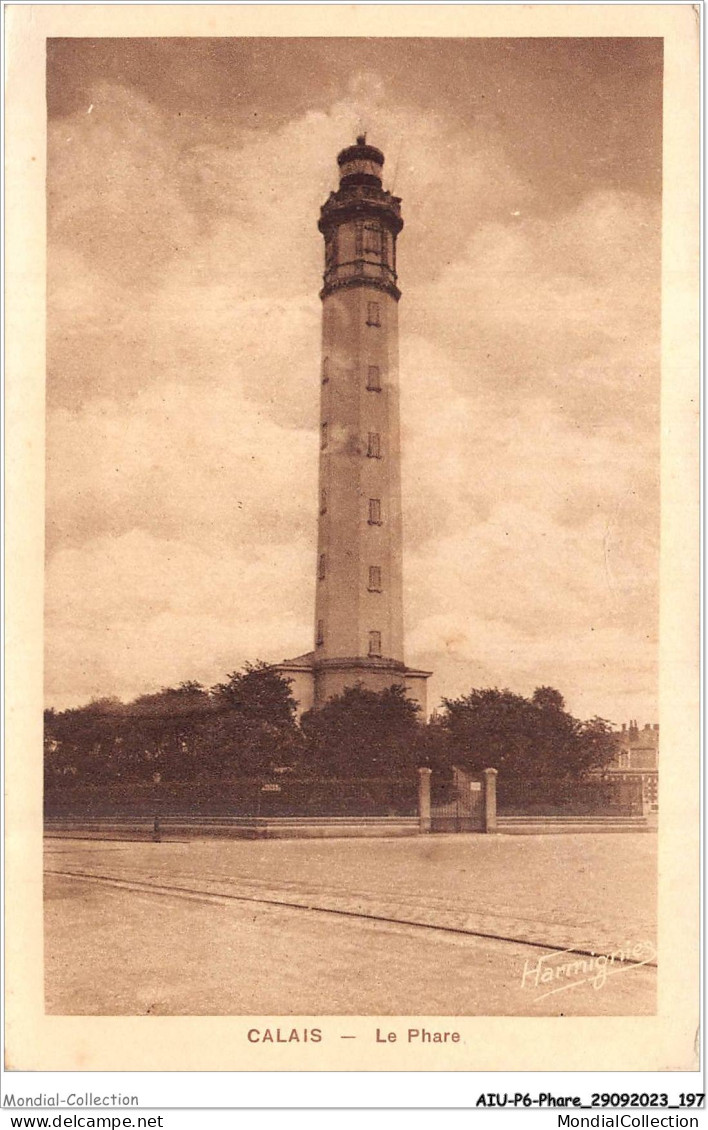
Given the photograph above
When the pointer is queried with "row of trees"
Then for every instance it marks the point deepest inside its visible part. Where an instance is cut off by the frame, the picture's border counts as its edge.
(247, 727)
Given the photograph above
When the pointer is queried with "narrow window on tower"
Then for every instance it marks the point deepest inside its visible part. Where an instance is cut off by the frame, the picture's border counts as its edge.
(374, 643)
(373, 381)
(372, 240)
(330, 250)
(323, 437)
(320, 632)
(374, 446)
(323, 567)
(384, 247)
(323, 502)
(374, 511)
(359, 239)
(325, 370)
(374, 578)
(374, 315)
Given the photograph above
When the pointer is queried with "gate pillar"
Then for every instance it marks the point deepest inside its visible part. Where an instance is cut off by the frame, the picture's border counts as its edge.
(424, 799)
(489, 800)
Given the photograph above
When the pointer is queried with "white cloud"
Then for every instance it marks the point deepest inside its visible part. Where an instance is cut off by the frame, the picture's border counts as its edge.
(206, 467)
(135, 612)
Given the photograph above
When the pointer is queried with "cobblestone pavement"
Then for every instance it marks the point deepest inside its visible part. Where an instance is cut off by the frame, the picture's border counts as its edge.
(590, 893)
(112, 951)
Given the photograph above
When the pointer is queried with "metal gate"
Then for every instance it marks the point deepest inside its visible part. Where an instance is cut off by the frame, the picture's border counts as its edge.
(457, 805)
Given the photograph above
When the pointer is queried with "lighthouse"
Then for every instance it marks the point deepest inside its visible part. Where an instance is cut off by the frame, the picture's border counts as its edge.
(358, 629)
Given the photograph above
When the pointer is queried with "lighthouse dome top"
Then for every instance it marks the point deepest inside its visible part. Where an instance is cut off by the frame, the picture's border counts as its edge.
(360, 163)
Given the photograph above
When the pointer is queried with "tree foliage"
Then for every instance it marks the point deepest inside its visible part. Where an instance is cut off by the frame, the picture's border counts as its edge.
(522, 737)
(246, 728)
(258, 694)
(363, 733)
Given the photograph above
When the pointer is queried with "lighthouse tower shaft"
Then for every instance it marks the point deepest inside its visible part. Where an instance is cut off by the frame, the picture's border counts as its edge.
(359, 595)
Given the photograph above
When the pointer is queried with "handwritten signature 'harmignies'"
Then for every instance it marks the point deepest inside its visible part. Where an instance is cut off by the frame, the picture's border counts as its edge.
(567, 969)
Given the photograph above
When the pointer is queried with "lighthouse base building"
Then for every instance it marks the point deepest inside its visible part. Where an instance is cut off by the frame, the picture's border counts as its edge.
(359, 584)
(312, 685)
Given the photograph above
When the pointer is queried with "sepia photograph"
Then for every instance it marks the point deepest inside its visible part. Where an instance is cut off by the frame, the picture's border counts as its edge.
(352, 511)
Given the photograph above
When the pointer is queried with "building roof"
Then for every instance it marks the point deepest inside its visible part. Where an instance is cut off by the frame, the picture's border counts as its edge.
(298, 662)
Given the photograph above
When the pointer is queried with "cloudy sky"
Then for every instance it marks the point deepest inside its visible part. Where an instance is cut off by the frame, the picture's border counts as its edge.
(184, 182)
